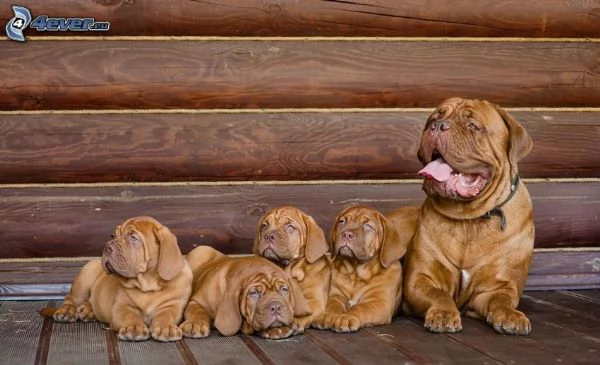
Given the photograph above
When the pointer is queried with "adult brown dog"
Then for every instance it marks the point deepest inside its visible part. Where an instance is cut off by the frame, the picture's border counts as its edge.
(366, 274)
(474, 241)
(141, 280)
(294, 241)
(247, 294)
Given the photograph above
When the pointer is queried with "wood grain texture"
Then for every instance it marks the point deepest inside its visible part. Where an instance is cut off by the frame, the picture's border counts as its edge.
(295, 74)
(277, 146)
(549, 271)
(49, 222)
(507, 18)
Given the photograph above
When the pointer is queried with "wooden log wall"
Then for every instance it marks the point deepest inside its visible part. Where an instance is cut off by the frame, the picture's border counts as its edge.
(206, 114)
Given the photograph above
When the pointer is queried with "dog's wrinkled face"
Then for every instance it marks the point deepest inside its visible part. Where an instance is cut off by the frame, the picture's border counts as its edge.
(267, 302)
(357, 234)
(286, 234)
(139, 245)
(465, 145)
(281, 236)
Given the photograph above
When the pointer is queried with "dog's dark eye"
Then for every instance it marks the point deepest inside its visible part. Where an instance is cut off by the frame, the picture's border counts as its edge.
(474, 126)
(112, 236)
(254, 292)
(263, 226)
(284, 290)
(342, 221)
(134, 239)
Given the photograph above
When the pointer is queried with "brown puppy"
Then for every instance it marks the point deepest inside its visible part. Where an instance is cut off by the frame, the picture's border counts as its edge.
(366, 274)
(247, 294)
(474, 242)
(294, 241)
(141, 280)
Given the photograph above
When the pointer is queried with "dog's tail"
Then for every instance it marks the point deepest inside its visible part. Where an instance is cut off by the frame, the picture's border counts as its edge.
(48, 312)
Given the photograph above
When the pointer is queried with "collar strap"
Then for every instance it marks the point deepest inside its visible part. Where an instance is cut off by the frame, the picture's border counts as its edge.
(498, 209)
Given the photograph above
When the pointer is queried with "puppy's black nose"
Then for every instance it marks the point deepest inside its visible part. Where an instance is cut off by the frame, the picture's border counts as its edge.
(274, 307)
(269, 236)
(348, 235)
(109, 249)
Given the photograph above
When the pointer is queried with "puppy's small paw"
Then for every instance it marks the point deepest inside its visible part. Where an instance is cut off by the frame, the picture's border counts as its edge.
(441, 320)
(85, 313)
(277, 333)
(134, 332)
(299, 325)
(66, 313)
(322, 322)
(344, 323)
(166, 334)
(195, 329)
(509, 321)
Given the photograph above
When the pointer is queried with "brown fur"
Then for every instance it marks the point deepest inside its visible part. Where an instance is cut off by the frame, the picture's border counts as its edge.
(366, 274)
(240, 294)
(293, 240)
(460, 260)
(139, 287)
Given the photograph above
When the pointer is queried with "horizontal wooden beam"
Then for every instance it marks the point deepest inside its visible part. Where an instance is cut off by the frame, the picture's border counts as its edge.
(294, 74)
(51, 279)
(77, 221)
(83, 148)
(511, 18)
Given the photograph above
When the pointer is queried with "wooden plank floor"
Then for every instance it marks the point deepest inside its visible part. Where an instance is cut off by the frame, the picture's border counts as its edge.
(566, 329)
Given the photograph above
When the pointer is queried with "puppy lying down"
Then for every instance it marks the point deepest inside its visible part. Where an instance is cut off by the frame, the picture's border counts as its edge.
(247, 294)
(139, 286)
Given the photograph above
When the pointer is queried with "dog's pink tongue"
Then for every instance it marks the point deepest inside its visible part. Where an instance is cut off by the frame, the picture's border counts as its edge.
(438, 170)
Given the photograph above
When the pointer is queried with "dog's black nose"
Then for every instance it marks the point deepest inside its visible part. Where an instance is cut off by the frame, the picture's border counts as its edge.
(347, 235)
(274, 307)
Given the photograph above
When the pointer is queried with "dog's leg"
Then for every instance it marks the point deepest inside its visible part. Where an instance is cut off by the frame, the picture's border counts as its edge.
(128, 323)
(498, 307)
(336, 305)
(164, 324)
(197, 321)
(76, 304)
(425, 298)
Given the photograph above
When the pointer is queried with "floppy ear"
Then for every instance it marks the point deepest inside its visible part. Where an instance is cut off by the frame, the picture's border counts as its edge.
(301, 307)
(519, 142)
(170, 259)
(394, 244)
(316, 244)
(257, 239)
(228, 317)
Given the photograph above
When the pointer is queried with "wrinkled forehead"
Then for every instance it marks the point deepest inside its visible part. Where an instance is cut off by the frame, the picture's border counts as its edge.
(465, 109)
(267, 279)
(130, 226)
(360, 214)
(283, 215)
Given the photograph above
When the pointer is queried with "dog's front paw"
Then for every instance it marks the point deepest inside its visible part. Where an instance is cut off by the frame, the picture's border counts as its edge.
(165, 334)
(509, 321)
(66, 313)
(85, 313)
(322, 322)
(344, 323)
(277, 333)
(134, 332)
(195, 329)
(441, 320)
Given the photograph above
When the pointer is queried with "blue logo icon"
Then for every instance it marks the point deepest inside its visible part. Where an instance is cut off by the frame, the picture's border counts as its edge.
(42, 23)
(15, 26)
